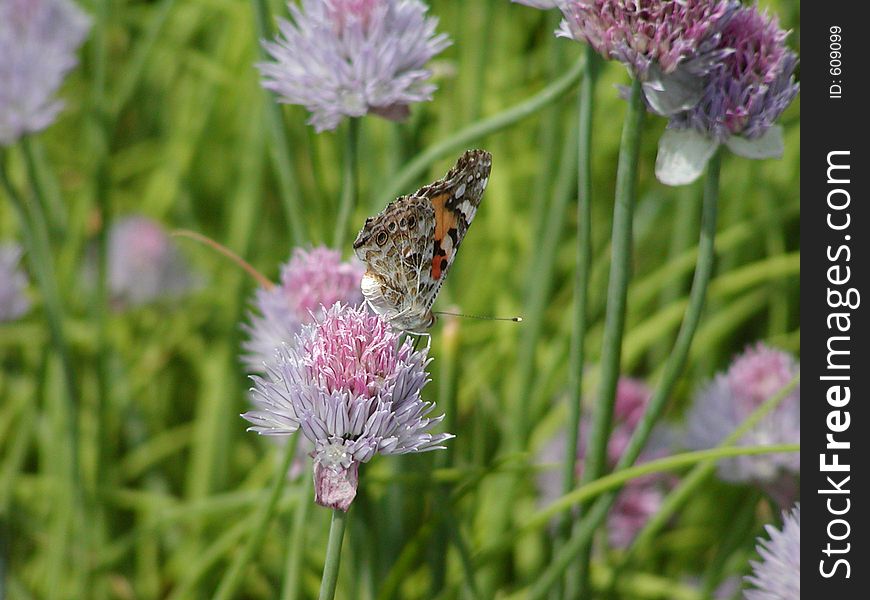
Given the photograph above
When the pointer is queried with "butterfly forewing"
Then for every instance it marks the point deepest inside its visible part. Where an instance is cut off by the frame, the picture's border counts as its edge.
(409, 247)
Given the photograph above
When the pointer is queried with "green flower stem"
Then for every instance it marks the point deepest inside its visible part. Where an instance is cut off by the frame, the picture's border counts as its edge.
(617, 479)
(141, 52)
(614, 321)
(582, 537)
(539, 286)
(577, 346)
(349, 182)
(690, 484)
(296, 548)
(233, 576)
(459, 140)
(620, 267)
(35, 235)
(34, 232)
(581, 281)
(280, 146)
(333, 555)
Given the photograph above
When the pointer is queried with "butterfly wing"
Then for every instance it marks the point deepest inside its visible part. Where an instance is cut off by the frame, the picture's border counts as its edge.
(410, 246)
(455, 200)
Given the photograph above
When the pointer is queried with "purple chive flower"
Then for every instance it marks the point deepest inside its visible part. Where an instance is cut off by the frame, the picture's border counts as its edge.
(13, 281)
(778, 575)
(354, 391)
(310, 280)
(743, 97)
(669, 45)
(38, 41)
(144, 263)
(348, 58)
(641, 497)
(754, 377)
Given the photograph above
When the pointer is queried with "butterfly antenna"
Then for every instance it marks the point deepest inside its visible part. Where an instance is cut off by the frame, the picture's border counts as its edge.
(221, 249)
(480, 317)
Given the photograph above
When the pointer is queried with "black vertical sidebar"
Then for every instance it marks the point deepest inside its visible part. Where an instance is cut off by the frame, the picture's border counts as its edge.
(835, 224)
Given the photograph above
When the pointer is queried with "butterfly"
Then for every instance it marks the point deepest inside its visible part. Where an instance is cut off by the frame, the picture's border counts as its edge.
(409, 247)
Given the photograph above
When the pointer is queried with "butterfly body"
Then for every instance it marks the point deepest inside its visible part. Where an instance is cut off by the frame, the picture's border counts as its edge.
(409, 247)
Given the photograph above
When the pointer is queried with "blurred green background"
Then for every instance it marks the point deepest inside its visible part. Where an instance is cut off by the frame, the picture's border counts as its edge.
(170, 480)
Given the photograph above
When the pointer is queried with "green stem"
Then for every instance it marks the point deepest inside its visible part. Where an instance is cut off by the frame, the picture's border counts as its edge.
(581, 280)
(233, 577)
(595, 461)
(459, 140)
(333, 555)
(620, 267)
(296, 551)
(699, 474)
(349, 182)
(33, 230)
(540, 283)
(703, 270)
(280, 146)
(617, 479)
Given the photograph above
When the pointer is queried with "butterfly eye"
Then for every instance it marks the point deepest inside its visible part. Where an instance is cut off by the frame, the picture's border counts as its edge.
(381, 238)
(412, 222)
(392, 226)
(403, 223)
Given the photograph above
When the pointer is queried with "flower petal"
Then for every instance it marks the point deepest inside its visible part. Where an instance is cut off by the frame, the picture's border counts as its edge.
(673, 92)
(682, 156)
(769, 145)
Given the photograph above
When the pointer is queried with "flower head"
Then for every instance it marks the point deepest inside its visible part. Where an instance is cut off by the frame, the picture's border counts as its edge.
(641, 497)
(341, 58)
(13, 302)
(669, 45)
(354, 391)
(38, 41)
(144, 263)
(310, 280)
(778, 575)
(743, 97)
(754, 377)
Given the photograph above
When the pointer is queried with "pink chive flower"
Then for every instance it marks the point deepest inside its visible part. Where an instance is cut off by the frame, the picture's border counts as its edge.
(720, 407)
(641, 497)
(310, 280)
(348, 58)
(778, 575)
(13, 282)
(145, 264)
(353, 390)
(668, 45)
(743, 97)
(38, 43)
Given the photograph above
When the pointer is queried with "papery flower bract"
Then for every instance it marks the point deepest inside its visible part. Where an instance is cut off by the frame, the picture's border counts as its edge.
(13, 281)
(347, 58)
(720, 407)
(354, 391)
(310, 280)
(743, 97)
(668, 45)
(144, 263)
(641, 497)
(778, 575)
(38, 42)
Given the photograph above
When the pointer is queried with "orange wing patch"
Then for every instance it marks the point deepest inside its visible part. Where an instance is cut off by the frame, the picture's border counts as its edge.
(445, 220)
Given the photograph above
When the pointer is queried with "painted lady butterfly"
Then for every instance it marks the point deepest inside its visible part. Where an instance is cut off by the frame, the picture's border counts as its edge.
(409, 246)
